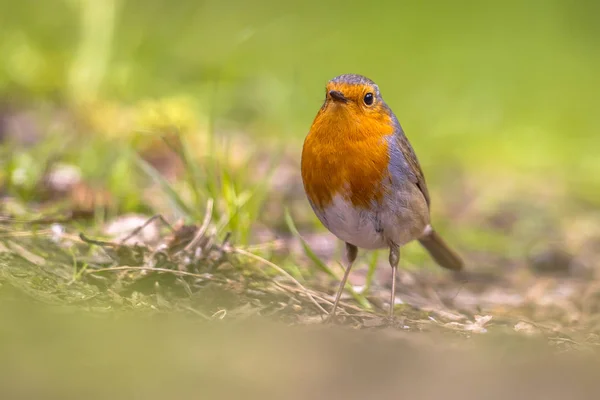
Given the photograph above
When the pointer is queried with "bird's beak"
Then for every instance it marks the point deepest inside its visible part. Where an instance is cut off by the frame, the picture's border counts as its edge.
(338, 96)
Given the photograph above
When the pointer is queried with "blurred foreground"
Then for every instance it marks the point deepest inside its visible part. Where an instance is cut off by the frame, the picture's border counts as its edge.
(57, 354)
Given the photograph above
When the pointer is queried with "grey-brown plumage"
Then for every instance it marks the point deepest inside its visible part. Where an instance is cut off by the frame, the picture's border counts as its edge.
(431, 240)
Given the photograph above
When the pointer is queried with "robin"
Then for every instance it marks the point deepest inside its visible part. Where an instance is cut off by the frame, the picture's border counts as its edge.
(363, 180)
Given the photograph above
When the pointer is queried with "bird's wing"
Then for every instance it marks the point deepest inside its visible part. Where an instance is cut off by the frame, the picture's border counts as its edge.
(414, 169)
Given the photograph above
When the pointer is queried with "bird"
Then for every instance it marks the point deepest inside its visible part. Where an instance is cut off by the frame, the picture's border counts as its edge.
(363, 180)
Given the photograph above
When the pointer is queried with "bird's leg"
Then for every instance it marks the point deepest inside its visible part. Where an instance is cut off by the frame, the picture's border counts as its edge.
(394, 261)
(351, 252)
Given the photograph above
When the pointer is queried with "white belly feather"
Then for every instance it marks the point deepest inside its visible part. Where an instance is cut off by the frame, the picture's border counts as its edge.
(375, 228)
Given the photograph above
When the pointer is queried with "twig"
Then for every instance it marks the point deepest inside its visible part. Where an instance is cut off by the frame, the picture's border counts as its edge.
(44, 220)
(342, 306)
(96, 242)
(128, 268)
(145, 224)
(225, 244)
(272, 245)
(565, 340)
(197, 312)
(26, 233)
(281, 271)
(202, 230)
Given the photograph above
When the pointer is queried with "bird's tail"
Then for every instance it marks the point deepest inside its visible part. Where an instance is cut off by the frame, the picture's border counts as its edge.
(440, 252)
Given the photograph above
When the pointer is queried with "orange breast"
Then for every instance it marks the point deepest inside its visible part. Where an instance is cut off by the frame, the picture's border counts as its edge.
(348, 157)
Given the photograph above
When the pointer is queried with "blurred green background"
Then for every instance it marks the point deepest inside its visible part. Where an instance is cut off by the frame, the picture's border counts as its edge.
(510, 85)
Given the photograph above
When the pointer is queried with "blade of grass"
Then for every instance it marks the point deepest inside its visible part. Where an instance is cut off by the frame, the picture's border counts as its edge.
(248, 201)
(307, 249)
(192, 170)
(260, 191)
(176, 201)
(371, 272)
(358, 297)
(293, 269)
(211, 162)
(234, 203)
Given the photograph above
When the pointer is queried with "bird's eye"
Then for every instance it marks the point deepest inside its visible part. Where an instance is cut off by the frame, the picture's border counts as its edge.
(368, 99)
